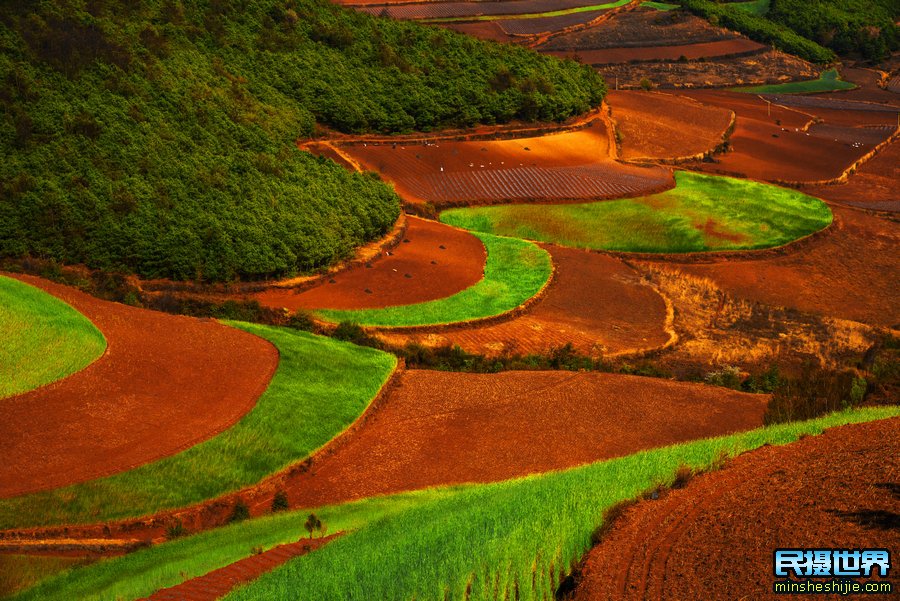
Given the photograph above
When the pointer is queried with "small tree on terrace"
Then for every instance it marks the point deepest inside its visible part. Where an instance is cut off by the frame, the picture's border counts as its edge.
(313, 524)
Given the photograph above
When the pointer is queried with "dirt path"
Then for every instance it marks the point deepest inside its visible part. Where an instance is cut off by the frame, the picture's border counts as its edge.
(164, 384)
(595, 302)
(433, 261)
(851, 273)
(838, 490)
(219, 583)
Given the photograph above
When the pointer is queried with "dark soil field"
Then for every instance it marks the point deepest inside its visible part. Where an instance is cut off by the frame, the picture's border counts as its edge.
(444, 10)
(837, 490)
(567, 166)
(164, 384)
(433, 261)
(629, 54)
(851, 272)
(595, 302)
(666, 126)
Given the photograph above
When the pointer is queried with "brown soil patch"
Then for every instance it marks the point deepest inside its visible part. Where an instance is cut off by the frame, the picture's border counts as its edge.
(761, 68)
(596, 303)
(443, 428)
(641, 27)
(761, 148)
(874, 186)
(666, 126)
(837, 490)
(485, 30)
(607, 56)
(164, 384)
(573, 165)
(851, 273)
(445, 9)
(219, 583)
(433, 261)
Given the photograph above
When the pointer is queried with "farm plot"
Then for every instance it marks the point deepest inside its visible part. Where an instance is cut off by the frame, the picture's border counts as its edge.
(873, 186)
(642, 27)
(701, 213)
(851, 273)
(828, 81)
(596, 303)
(165, 383)
(631, 54)
(514, 272)
(666, 126)
(433, 261)
(512, 536)
(321, 386)
(44, 338)
(720, 514)
(445, 10)
(558, 167)
(771, 141)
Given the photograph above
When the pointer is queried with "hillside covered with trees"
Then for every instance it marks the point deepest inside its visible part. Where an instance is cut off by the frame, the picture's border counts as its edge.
(157, 137)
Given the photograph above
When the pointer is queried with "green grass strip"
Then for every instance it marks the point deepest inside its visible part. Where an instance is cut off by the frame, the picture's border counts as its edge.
(43, 340)
(829, 81)
(431, 544)
(514, 271)
(321, 386)
(552, 13)
(660, 5)
(754, 7)
(702, 213)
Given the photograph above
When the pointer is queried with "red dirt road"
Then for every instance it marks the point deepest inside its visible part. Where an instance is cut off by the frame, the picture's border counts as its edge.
(666, 126)
(434, 261)
(441, 428)
(164, 384)
(714, 539)
(595, 302)
(851, 272)
(219, 583)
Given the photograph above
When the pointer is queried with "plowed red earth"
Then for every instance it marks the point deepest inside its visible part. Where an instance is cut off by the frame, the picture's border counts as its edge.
(761, 148)
(444, 428)
(662, 126)
(567, 166)
(874, 186)
(219, 583)
(715, 538)
(608, 56)
(434, 261)
(164, 384)
(595, 302)
(851, 272)
(443, 10)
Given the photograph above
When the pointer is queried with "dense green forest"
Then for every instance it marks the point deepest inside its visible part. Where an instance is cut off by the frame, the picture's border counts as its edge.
(813, 29)
(759, 28)
(863, 27)
(158, 137)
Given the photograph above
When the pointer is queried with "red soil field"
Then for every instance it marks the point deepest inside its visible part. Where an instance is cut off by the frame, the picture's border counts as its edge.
(164, 384)
(595, 302)
(567, 166)
(434, 261)
(662, 126)
(715, 538)
(540, 25)
(443, 428)
(443, 10)
(763, 149)
(851, 272)
(874, 186)
(642, 27)
(219, 583)
(483, 30)
(607, 56)
(868, 91)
